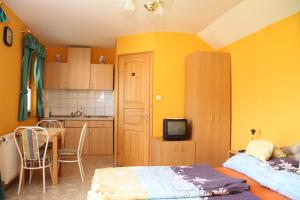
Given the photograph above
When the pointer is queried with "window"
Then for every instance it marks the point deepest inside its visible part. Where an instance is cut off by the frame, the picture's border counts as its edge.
(28, 99)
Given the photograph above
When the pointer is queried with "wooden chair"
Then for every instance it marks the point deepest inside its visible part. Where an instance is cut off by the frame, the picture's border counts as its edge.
(74, 155)
(32, 156)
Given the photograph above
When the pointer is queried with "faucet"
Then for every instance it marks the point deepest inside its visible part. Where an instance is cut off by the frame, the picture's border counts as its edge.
(80, 112)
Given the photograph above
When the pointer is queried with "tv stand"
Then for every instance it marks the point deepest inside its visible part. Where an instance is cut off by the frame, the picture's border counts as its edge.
(170, 153)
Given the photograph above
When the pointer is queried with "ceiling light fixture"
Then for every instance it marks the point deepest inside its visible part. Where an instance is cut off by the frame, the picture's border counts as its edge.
(128, 4)
(154, 6)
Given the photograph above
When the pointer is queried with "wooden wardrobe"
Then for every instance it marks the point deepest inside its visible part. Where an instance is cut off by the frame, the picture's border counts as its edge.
(208, 105)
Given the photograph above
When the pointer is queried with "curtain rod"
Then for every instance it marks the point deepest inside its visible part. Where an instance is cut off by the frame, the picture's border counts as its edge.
(29, 32)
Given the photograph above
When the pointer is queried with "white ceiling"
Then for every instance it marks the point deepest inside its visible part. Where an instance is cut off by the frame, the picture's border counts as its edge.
(99, 22)
(247, 17)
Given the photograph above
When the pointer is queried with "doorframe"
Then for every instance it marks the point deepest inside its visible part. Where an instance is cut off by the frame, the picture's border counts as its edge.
(116, 96)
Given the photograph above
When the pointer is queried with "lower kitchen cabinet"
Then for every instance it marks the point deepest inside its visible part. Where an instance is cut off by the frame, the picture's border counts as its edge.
(72, 140)
(101, 141)
(98, 139)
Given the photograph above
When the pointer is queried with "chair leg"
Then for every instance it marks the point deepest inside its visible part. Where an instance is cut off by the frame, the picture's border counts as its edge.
(20, 179)
(44, 181)
(30, 174)
(51, 174)
(80, 169)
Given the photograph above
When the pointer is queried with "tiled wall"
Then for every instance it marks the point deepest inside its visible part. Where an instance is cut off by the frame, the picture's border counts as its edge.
(63, 102)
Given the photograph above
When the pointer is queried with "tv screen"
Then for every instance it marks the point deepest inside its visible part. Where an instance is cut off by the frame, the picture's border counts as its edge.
(176, 127)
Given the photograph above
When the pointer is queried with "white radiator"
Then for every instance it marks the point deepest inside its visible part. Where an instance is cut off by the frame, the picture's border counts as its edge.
(9, 158)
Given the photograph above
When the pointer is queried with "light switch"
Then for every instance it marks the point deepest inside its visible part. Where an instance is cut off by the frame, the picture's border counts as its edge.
(158, 97)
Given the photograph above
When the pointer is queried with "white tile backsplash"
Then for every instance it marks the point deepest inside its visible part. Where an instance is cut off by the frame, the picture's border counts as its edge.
(63, 102)
(109, 111)
(100, 111)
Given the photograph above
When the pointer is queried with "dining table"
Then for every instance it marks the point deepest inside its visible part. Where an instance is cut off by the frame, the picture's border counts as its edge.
(56, 137)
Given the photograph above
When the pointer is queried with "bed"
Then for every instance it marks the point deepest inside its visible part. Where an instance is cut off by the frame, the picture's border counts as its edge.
(241, 178)
(255, 188)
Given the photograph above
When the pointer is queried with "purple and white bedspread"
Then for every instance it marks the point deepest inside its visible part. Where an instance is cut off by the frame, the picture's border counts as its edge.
(182, 182)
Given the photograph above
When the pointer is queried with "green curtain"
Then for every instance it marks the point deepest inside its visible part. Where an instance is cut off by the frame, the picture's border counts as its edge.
(29, 46)
(1, 190)
(3, 17)
(39, 77)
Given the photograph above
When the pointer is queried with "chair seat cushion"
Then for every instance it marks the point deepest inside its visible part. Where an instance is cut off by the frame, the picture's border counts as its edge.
(67, 152)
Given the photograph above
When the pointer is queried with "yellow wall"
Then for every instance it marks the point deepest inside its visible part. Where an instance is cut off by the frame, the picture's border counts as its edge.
(108, 53)
(266, 84)
(10, 66)
(170, 50)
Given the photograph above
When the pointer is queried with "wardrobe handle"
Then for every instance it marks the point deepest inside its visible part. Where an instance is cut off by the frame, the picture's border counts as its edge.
(211, 118)
(217, 118)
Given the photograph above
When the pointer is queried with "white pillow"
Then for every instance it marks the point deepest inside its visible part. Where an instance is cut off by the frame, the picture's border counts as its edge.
(260, 149)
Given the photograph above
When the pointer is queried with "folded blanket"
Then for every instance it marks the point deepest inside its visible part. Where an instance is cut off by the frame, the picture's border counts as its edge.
(281, 181)
(185, 182)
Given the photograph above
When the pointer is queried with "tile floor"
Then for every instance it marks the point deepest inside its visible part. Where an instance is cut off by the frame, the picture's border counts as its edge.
(70, 186)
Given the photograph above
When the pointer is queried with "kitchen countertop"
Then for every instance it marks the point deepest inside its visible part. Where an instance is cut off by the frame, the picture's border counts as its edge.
(93, 118)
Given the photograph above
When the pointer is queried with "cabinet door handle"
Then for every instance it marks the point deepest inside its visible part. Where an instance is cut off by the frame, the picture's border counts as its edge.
(175, 148)
(217, 118)
(211, 118)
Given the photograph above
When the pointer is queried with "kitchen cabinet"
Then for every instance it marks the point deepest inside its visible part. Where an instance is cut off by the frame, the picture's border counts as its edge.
(79, 73)
(72, 139)
(101, 141)
(55, 76)
(99, 136)
(79, 60)
(172, 153)
(102, 76)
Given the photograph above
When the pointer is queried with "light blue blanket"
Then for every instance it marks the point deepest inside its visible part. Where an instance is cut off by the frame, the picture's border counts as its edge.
(283, 182)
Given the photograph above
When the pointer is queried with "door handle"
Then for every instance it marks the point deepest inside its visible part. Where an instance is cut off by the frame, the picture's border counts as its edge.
(145, 115)
(211, 118)
(217, 118)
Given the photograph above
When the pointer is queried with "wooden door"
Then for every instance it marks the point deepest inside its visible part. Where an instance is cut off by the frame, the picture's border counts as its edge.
(101, 141)
(222, 108)
(102, 77)
(134, 111)
(55, 76)
(79, 60)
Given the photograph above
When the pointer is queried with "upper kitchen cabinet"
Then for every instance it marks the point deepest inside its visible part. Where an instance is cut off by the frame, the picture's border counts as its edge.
(102, 76)
(79, 68)
(56, 76)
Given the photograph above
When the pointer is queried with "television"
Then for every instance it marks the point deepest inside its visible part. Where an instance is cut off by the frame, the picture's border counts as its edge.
(175, 129)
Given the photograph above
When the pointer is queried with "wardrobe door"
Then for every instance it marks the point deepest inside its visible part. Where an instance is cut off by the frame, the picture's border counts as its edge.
(222, 108)
(200, 102)
(206, 139)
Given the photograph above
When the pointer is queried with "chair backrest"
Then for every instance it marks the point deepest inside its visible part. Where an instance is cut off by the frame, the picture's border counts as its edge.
(50, 123)
(34, 142)
(81, 140)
